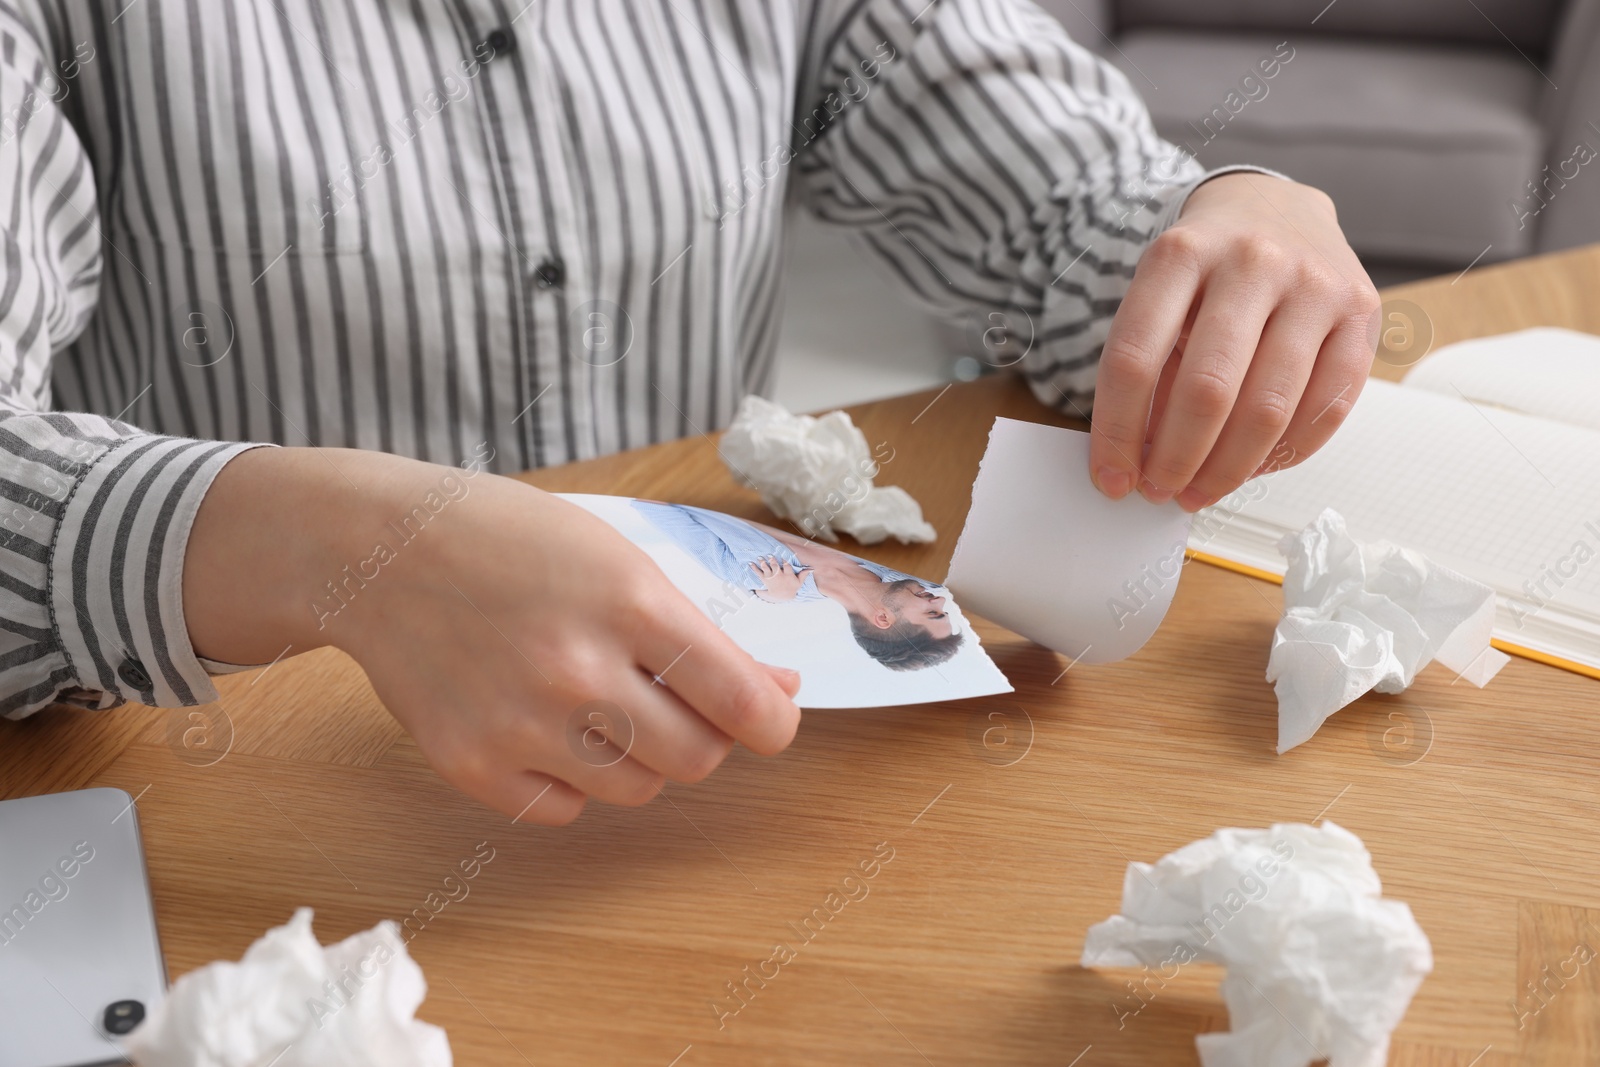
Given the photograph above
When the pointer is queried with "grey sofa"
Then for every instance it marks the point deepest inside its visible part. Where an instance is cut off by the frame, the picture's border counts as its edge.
(1446, 131)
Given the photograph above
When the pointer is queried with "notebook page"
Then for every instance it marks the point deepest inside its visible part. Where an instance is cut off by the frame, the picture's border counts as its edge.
(1545, 371)
(1508, 499)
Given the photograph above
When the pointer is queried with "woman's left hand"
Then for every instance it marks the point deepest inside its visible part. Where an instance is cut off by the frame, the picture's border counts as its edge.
(1242, 343)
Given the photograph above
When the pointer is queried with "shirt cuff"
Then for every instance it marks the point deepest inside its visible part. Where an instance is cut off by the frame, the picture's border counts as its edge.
(116, 569)
(1174, 207)
(217, 666)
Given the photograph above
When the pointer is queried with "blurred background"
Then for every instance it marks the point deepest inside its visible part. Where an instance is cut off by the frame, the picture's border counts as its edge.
(1449, 133)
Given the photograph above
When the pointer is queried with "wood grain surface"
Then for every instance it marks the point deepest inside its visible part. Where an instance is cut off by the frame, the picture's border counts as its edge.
(997, 830)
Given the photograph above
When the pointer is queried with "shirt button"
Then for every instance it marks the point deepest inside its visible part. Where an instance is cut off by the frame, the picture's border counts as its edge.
(551, 273)
(133, 673)
(501, 42)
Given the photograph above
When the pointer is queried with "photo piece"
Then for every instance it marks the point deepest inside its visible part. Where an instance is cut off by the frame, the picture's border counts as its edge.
(861, 635)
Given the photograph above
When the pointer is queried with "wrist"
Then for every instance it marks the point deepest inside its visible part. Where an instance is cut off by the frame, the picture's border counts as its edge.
(1250, 188)
(265, 569)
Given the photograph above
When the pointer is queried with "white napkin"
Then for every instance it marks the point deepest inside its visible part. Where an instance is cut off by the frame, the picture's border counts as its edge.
(817, 473)
(1363, 617)
(1319, 965)
(292, 1003)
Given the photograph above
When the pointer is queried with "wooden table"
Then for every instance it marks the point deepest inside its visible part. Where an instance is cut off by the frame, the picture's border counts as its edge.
(1010, 821)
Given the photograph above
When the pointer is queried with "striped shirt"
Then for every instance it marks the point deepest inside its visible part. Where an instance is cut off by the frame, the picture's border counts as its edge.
(445, 228)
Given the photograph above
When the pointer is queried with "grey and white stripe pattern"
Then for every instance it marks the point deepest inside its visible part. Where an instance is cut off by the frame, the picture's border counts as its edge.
(555, 227)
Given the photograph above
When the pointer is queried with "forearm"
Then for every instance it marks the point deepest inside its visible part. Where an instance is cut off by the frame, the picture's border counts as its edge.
(272, 541)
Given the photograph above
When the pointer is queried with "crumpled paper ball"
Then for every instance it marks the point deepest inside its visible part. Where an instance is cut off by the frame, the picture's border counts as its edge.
(817, 473)
(292, 1003)
(1362, 617)
(1320, 966)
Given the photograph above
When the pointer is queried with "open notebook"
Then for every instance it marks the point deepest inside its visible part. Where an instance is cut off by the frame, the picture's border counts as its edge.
(1486, 459)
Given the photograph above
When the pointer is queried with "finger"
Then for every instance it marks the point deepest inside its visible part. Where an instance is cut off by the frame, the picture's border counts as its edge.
(529, 796)
(1273, 386)
(1158, 403)
(597, 754)
(788, 679)
(1169, 371)
(667, 736)
(1227, 329)
(594, 753)
(614, 775)
(1142, 336)
(1336, 381)
(718, 679)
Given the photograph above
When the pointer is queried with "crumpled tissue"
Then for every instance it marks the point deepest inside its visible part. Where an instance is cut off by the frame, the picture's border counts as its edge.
(293, 1003)
(817, 472)
(1320, 966)
(1359, 617)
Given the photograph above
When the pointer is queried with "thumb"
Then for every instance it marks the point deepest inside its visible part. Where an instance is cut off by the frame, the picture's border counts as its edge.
(788, 680)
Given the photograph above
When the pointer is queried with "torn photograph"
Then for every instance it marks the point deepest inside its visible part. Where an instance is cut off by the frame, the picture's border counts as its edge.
(860, 634)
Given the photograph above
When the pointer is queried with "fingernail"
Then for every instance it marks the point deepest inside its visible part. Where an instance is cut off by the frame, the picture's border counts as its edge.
(1154, 493)
(1192, 499)
(1113, 483)
(788, 679)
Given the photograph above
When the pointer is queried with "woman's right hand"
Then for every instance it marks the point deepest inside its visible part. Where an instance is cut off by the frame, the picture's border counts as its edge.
(535, 654)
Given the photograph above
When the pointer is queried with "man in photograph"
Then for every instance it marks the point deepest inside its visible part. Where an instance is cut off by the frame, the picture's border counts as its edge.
(898, 620)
